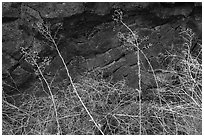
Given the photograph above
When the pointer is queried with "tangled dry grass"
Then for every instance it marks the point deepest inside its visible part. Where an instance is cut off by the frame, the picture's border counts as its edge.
(114, 107)
(97, 106)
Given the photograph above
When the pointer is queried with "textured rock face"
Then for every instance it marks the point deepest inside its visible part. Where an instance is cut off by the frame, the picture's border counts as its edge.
(58, 9)
(89, 39)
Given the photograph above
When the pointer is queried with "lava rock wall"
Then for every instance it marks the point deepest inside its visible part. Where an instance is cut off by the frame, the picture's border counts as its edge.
(88, 39)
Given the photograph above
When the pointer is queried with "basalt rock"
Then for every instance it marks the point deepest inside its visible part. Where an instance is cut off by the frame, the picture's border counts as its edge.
(89, 38)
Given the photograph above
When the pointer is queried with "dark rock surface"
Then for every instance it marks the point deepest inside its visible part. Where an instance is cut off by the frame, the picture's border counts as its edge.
(88, 39)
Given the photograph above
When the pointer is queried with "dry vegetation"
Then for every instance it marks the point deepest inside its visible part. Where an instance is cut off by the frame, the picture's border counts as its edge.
(93, 105)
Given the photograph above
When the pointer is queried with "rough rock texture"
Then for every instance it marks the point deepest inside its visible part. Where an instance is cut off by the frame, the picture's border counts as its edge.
(89, 39)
